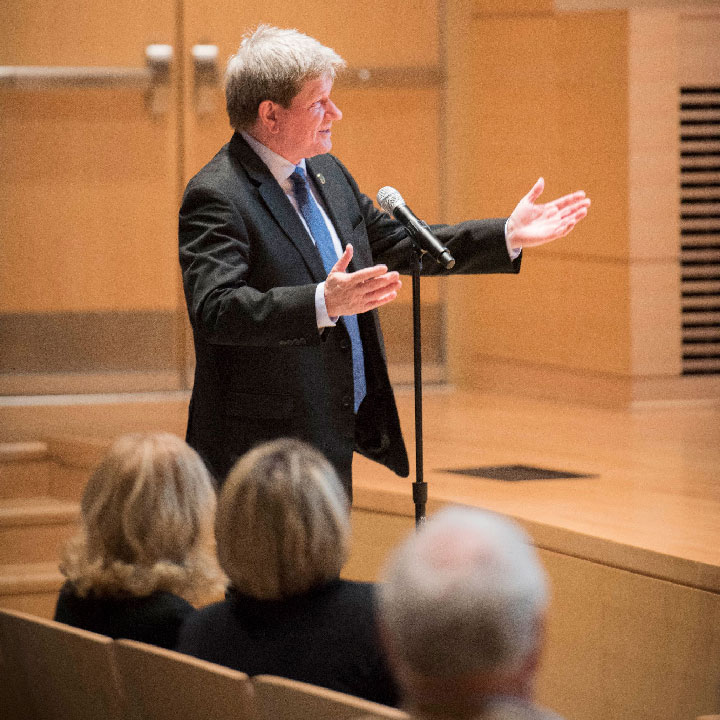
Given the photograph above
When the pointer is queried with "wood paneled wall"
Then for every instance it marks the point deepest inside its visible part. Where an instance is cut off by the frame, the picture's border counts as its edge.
(480, 97)
(587, 100)
(88, 269)
(88, 185)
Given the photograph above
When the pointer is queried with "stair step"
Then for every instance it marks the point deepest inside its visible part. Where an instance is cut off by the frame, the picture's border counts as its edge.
(30, 587)
(37, 511)
(34, 529)
(75, 458)
(58, 467)
(30, 577)
(19, 451)
(77, 451)
(25, 469)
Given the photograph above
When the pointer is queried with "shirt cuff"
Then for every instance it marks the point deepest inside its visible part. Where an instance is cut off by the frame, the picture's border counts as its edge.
(514, 253)
(321, 314)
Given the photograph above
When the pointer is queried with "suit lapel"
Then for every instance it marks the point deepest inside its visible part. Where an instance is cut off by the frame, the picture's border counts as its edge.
(332, 190)
(279, 206)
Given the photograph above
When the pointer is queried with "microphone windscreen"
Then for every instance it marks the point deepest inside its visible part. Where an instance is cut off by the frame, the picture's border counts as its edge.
(389, 198)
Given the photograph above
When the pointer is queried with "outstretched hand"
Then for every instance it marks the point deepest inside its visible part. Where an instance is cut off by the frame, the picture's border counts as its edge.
(357, 292)
(534, 223)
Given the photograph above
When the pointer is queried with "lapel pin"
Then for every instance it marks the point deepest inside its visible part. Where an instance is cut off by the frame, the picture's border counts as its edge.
(321, 178)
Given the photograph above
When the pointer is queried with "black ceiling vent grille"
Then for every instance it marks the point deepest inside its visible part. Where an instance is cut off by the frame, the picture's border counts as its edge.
(700, 228)
(516, 473)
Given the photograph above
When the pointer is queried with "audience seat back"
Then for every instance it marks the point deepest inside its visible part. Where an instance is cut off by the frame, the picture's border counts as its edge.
(60, 672)
(282, 699)
(166, 685)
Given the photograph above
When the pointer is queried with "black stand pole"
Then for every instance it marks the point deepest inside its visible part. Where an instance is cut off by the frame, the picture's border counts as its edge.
(419, 486)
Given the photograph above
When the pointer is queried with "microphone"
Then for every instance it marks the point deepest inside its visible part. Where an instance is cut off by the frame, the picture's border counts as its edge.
(392, 202)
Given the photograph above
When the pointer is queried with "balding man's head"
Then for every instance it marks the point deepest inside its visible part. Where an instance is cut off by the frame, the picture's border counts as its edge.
(462, 606)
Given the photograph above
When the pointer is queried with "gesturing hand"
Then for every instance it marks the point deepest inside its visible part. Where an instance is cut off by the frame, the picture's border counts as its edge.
(534, 224)
(357, 292)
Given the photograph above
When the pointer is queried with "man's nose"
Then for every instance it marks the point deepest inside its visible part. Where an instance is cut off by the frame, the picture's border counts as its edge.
(333, 111)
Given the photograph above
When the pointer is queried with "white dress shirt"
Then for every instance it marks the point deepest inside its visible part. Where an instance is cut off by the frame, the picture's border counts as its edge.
(281, 170)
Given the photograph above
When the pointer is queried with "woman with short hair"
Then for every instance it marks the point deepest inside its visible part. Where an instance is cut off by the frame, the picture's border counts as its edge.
(283, 531)
(145, 548)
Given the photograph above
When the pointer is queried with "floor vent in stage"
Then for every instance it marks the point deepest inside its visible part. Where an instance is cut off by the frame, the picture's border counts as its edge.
(515, 473)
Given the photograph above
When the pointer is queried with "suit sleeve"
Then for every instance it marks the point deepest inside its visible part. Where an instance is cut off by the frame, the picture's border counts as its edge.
(478, 246)
(229, 288)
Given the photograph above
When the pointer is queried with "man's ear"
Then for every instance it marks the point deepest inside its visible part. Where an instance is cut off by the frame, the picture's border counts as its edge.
(268, 116)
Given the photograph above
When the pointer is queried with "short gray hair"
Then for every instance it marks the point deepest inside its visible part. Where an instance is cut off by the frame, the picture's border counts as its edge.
(282, 525)
(466, 593)
(273, 64)
(146, 516)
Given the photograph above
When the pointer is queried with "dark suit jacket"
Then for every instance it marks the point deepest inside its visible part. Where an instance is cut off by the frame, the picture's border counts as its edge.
(327, 636)
(250, 271)
(153, 619)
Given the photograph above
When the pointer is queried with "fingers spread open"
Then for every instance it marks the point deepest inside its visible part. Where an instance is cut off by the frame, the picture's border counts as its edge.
(565, 201)
(343, 260)
(536, 190)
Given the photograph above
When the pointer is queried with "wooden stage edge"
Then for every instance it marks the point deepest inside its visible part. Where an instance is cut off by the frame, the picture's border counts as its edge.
(650, 505)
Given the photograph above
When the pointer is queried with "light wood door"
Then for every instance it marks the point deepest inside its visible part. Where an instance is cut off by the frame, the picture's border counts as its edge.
(89, 294)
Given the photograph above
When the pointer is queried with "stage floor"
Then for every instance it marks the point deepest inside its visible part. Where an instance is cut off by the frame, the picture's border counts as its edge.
(649, 501)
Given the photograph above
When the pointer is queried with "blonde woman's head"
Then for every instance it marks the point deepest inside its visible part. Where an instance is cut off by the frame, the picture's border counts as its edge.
(282, 524)
(146, 515)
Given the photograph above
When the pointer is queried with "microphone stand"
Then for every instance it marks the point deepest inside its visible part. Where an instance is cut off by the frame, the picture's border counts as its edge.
(419, 488)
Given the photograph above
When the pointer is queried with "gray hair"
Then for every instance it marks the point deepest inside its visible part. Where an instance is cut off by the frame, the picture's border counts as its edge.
(282, 525)
(146, 523)
(464, 594)
(273, 64)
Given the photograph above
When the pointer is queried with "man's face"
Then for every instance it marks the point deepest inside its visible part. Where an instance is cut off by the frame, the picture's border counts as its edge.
(303, 129)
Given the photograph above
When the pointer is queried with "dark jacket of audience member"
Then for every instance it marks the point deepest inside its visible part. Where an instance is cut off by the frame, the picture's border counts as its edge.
(145, 545)
(282, 531)
(154, 619)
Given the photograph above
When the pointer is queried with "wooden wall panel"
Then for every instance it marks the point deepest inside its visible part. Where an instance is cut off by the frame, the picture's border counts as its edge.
(74, 32)
(623, 645)
(87, 200)
(588, 100)
(698, 30)
(506, 100)
(365, 34)
(549, 99)
(653, 136)
(592, 70)
(570, 313)
(656, 319)
(89, 175)
(514, 7)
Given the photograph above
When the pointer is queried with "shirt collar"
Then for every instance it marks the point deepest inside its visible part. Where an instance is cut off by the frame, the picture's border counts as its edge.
(280, 167)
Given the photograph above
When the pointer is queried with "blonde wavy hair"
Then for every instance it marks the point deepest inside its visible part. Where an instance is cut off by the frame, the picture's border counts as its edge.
(146, 523)
(282, 524)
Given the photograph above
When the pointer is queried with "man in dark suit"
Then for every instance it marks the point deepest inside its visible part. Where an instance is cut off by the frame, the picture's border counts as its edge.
(285, 263)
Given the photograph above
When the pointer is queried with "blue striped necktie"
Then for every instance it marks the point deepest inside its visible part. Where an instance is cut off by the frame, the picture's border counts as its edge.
(318, 229)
